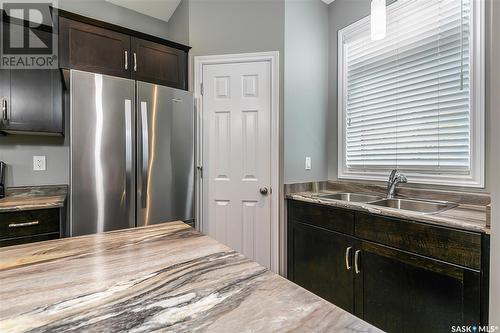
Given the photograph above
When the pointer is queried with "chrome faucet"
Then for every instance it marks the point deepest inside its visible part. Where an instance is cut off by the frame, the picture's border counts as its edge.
(394, 179)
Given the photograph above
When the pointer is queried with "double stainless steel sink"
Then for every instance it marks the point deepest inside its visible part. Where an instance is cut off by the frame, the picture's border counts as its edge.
(352, 197)
(414, 205)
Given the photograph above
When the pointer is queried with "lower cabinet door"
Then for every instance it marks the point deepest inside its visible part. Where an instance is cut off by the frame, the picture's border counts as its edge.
(321, 262)
(402, 292)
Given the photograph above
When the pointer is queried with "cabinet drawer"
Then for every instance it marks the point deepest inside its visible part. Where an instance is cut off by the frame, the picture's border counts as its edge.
(29, 223)
(29, 239)
(454, 246)
(326, 217)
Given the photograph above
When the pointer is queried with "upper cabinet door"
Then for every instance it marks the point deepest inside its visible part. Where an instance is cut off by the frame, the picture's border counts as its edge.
(35, 103)
(157, 63)
(93, 49)
(31, 99)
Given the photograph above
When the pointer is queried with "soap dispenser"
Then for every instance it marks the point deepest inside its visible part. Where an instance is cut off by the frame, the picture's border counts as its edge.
(3, 171)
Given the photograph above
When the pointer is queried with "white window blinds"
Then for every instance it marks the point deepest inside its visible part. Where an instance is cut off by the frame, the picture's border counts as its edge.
(406, 98)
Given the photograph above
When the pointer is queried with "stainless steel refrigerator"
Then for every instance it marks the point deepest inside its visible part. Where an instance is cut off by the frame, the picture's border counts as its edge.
(132, 153)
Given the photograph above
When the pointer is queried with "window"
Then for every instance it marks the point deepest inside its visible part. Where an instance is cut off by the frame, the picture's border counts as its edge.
(414, 100)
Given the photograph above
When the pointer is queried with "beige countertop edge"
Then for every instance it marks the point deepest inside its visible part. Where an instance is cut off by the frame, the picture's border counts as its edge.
(24, 204)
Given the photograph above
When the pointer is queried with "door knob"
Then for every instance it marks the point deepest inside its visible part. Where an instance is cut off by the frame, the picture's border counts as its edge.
(263, 190)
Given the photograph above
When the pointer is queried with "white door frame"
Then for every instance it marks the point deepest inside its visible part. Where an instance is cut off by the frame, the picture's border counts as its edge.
(273, 59)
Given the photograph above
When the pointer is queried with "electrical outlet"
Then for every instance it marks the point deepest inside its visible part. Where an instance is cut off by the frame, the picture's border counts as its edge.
(39, 163)
(308, 163)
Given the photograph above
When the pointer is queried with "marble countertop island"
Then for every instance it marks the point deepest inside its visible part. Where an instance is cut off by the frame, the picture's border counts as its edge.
(166, 277)
(33, 197)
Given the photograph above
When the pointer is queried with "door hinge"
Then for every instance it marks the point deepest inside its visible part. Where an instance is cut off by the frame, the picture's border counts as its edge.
(200, 170)
(201, 89)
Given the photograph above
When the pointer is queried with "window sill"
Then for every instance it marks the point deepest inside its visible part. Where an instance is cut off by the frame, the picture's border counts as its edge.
(417, 178)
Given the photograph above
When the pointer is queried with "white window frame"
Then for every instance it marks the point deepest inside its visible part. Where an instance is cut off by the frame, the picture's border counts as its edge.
(476, 177)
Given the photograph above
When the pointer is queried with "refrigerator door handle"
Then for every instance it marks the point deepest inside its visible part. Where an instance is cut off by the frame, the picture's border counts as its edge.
(128, 151)
(145, 154)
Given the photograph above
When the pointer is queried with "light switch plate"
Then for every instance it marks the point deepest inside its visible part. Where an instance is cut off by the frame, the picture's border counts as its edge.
(308, 163)
(39, 163)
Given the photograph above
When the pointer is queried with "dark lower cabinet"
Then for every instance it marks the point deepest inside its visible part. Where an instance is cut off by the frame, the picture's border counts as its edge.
(30, 226)
(322, 263)
(393, 289)
(402, 292)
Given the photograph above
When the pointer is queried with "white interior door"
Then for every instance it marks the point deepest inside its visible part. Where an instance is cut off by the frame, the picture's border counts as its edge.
(237, 157)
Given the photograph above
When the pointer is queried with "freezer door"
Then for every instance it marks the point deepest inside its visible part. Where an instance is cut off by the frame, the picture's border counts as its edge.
(102, 139)
(165, 154)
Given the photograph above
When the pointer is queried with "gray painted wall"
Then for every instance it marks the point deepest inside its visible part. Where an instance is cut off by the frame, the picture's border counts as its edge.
(306, 90)
(235, 26)
(178, 25)
(18, 151)
(341, 14)
(493, 100)
(108, 12)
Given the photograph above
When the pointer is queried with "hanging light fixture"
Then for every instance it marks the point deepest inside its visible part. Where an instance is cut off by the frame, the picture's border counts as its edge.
(378, 19)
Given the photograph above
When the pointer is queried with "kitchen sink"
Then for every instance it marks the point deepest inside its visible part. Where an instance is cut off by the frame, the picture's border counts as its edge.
(421, 206)
(353, 197)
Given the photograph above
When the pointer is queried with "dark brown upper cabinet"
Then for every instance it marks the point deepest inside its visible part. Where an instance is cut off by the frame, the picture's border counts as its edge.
(99, 47)
(31, 99)
(157, 63)
(93, 49)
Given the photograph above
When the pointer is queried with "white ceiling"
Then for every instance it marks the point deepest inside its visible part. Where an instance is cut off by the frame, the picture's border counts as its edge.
(327, 1)
(160, 9)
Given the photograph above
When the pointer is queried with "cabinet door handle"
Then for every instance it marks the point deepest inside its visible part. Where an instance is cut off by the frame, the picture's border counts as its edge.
(126, 60)
(145, 154)
(25, 224)
(135, 62)
(128, 150)
(348, 258)
(356, 261)
(4, 109)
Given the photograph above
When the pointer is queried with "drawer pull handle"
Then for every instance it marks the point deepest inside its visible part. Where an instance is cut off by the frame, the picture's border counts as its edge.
(356, 261)
(348, 257)
(25, 224)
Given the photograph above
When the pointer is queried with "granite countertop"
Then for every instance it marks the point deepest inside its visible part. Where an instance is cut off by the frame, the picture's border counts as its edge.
(33, 197)
(464, 216)
(166, 277)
